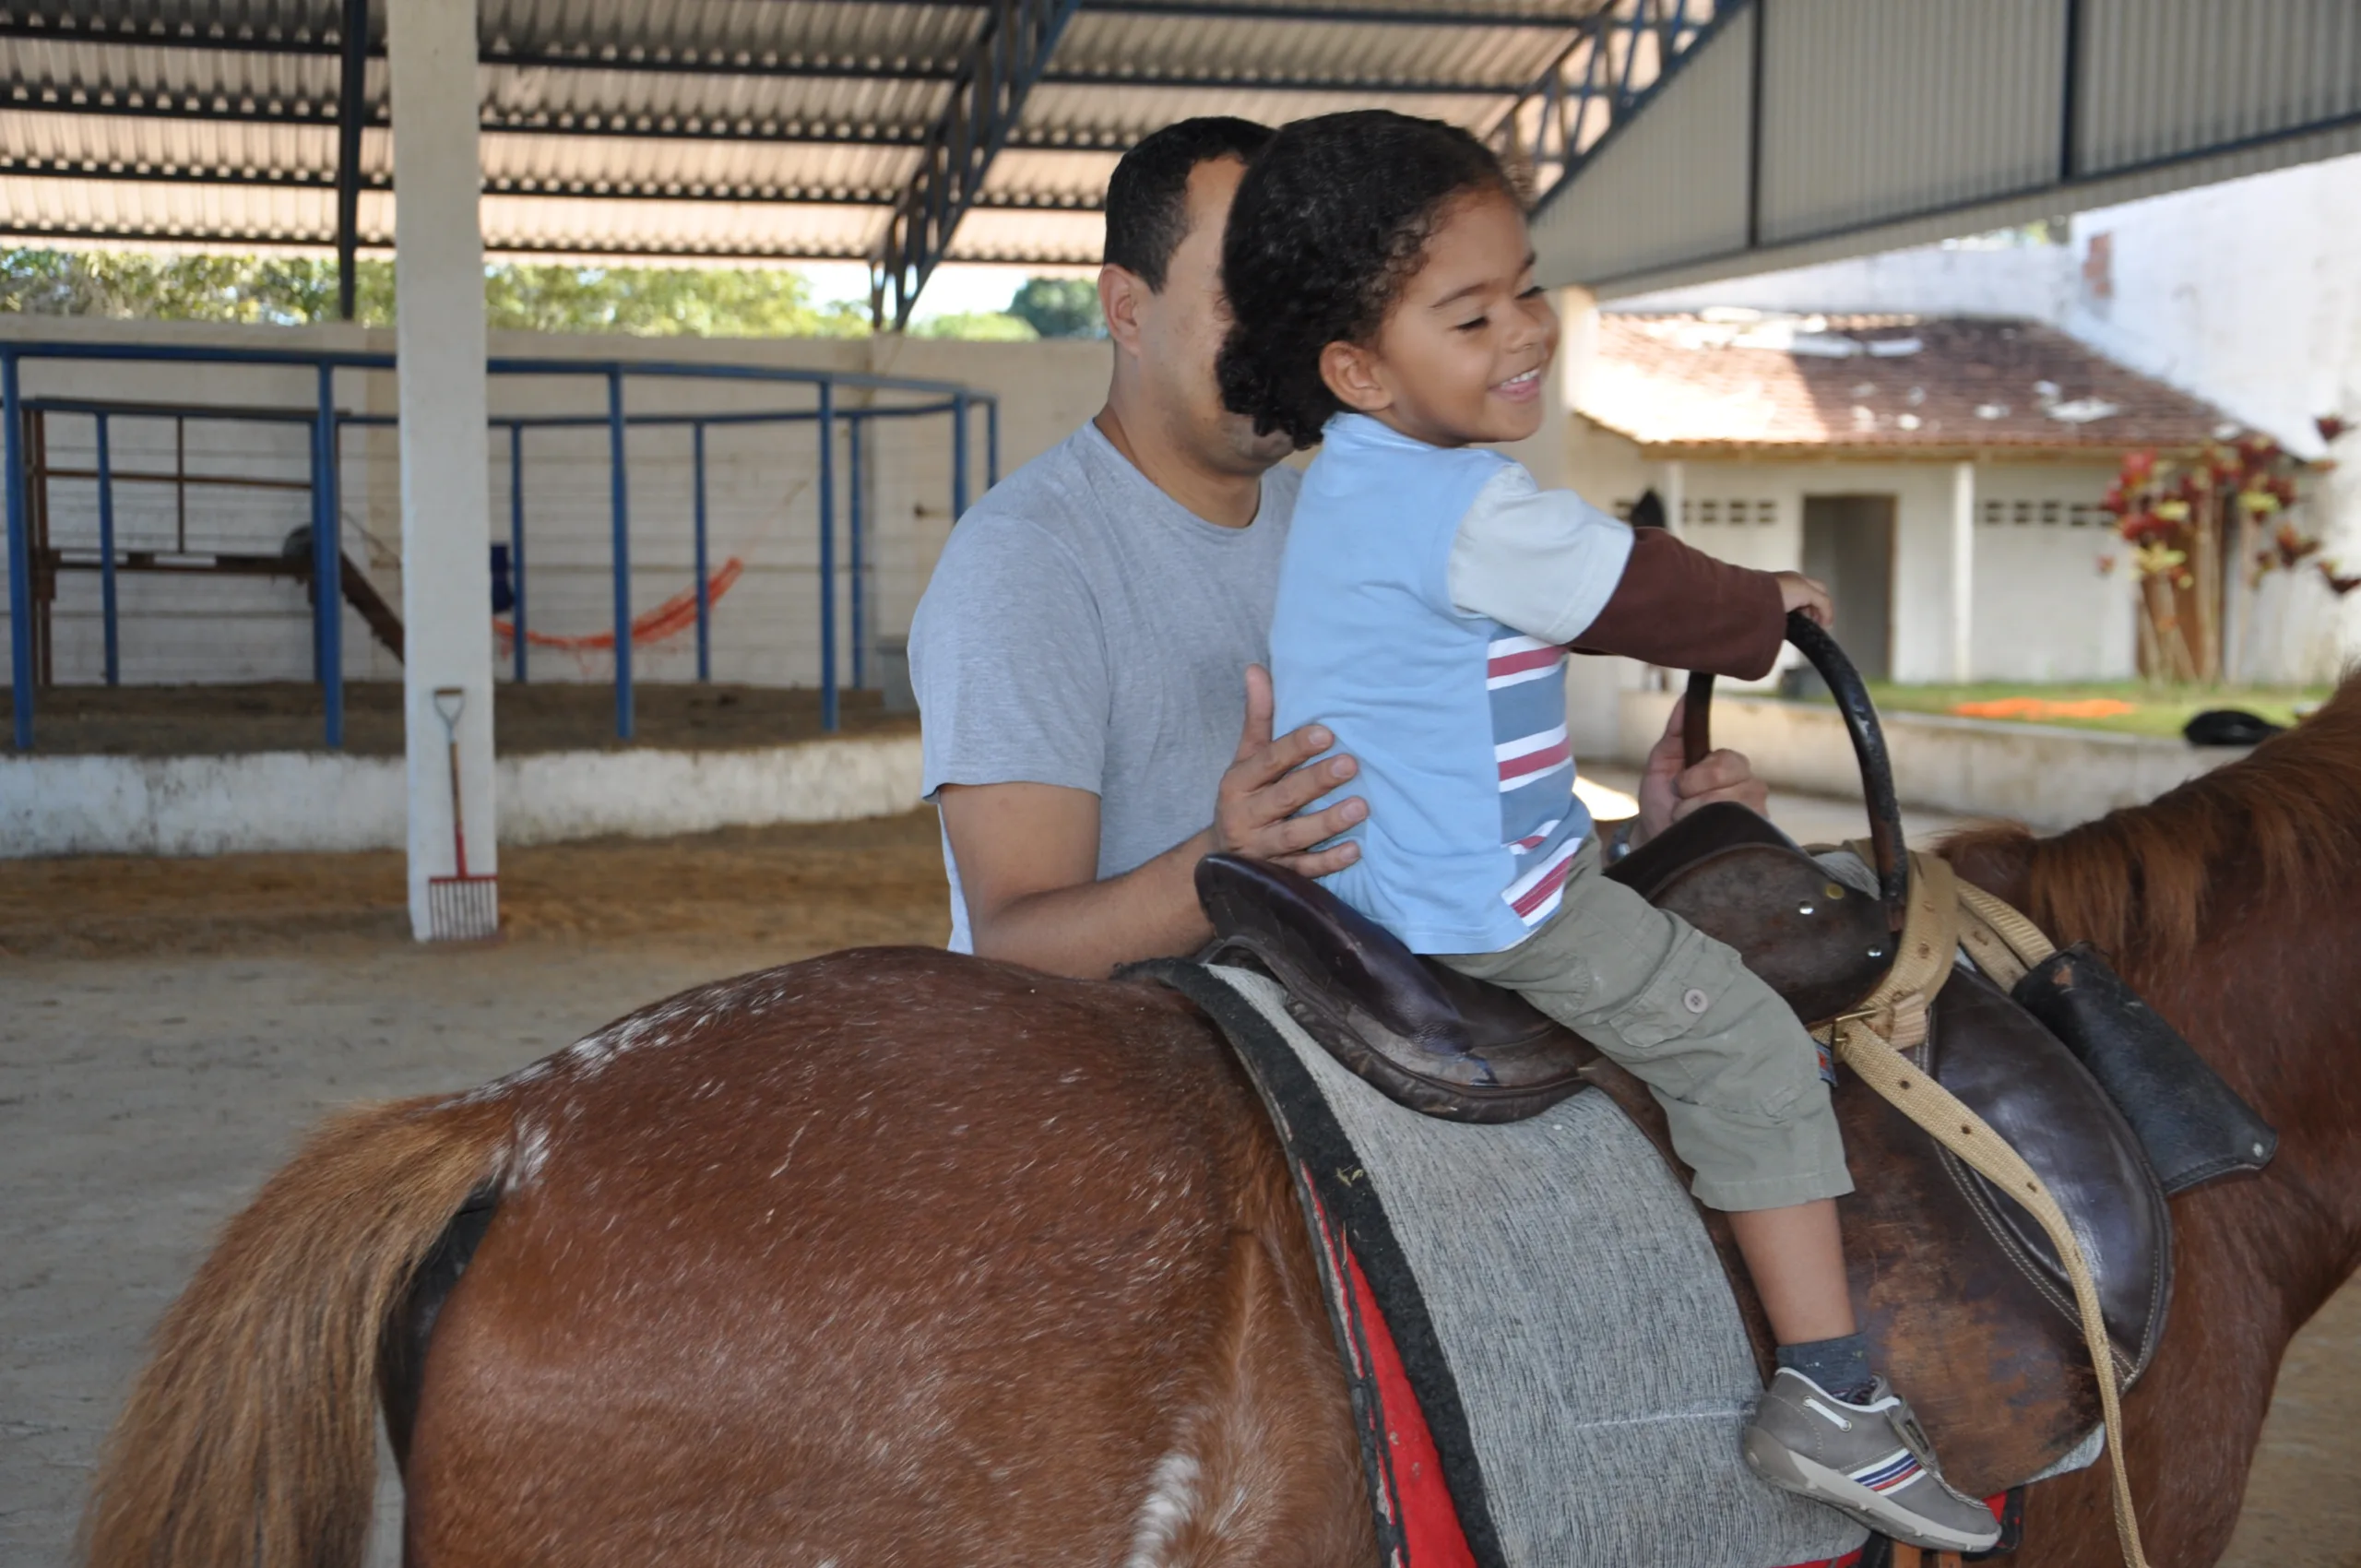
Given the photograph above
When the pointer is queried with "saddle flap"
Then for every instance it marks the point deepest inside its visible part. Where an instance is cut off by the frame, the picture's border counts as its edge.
(2194, 1127)
(1423, 1034)
(2011, 1071)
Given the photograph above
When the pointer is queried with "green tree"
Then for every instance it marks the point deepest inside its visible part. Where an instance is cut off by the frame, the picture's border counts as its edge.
(1060, 307)
(284, 291)
(671, 301)
(976, 326)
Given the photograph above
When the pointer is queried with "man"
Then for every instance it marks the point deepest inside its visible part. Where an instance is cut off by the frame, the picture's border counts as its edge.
(1096, 630)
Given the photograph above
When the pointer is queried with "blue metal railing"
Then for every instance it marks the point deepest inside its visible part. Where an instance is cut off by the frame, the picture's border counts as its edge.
(326, 426)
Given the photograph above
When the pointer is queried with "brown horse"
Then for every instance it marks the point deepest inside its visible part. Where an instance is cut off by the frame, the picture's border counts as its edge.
(899, 1258)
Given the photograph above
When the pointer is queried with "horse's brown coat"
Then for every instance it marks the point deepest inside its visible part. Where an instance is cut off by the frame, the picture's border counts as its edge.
(892, 1258)
(895, 1258)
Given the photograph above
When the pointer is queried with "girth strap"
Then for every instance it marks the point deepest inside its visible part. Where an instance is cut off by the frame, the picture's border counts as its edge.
(1870, 1040)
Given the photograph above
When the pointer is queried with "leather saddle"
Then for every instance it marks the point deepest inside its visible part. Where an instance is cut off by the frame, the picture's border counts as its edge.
(1957, 1287)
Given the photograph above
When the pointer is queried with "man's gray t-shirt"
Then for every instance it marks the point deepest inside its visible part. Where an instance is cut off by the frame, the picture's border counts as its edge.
(1083, 628)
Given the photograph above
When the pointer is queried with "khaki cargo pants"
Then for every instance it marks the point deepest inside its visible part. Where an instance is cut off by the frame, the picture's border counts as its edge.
(1737, 1075)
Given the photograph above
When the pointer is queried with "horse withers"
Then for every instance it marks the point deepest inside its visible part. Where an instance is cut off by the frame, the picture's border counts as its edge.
(895, 1257)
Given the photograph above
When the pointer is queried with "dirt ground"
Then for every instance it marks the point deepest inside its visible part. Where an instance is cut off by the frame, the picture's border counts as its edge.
(169, 1029)
(278, 716)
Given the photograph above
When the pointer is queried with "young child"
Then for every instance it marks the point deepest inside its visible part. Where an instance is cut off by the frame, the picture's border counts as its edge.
(1381, 285)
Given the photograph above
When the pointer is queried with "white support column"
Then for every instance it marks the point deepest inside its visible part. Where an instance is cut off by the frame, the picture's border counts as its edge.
(447, 573)
(1675, 496)
(1963, 573)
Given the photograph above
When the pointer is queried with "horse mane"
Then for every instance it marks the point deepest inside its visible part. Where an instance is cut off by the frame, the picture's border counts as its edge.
(2142, 883)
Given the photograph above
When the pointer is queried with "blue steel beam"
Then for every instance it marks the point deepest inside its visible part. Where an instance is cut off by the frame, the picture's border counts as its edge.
(855, 522)
(705, 597)
(828, 716)
(20, 551)
(106, 553)
(351, 109)
(1006, 58)
(327, 563)
(619, 499)
(517, 545)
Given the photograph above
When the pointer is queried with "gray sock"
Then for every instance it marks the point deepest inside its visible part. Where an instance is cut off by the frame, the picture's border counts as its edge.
(1841, 1366)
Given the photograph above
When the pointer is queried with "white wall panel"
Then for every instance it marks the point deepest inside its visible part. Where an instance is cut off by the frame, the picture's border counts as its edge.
(1672, 185)
(1886, 124)
(1871, 109)
(2171, 76)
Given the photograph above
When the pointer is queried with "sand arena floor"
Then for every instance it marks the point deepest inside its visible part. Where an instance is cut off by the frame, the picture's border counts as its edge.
(168, 1031)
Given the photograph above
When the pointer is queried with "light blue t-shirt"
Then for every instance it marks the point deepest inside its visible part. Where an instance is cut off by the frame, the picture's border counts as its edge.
(1458, 718)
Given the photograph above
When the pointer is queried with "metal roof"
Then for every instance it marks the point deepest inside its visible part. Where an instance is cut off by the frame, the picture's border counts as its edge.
(1808, 129)
(1902, 386)
(769, 129)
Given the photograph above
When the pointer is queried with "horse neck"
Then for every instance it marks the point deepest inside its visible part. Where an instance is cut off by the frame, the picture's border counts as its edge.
(2264, 996)
(2271, 1004)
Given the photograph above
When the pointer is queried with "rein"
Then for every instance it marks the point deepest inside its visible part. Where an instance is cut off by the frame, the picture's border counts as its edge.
(1942, 911)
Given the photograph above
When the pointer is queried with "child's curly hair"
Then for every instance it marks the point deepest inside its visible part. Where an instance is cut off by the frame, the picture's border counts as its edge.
(1326, 228)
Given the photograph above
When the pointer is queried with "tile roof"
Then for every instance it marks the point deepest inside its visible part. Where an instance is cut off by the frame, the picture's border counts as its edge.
(1886, 383)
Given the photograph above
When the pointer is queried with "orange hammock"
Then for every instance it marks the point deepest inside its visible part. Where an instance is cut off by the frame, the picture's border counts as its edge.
(675, 615)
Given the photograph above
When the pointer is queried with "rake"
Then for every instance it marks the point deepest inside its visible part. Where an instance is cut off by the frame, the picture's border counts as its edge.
(459, 907)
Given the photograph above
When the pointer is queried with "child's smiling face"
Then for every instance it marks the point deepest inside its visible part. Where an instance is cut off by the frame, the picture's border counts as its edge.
(1462, 354)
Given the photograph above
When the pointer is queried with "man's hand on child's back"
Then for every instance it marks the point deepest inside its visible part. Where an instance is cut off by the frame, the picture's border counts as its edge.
(1799, 592)
(1254, 812)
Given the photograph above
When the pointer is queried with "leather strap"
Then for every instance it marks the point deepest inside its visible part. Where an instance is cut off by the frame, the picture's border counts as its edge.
(1870, 1040)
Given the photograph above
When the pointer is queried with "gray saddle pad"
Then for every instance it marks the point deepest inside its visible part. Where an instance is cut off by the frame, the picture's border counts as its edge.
(1575, 1312)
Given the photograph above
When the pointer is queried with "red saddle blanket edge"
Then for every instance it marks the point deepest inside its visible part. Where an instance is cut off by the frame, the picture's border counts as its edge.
(1419, 1500)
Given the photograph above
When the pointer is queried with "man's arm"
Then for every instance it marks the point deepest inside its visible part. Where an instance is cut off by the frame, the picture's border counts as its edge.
(1028, 853)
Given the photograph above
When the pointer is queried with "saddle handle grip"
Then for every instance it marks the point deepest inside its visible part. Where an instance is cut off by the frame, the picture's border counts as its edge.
(1869, 749)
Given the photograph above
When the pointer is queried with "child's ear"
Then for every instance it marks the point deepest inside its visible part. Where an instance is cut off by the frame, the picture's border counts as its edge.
(1352, 374)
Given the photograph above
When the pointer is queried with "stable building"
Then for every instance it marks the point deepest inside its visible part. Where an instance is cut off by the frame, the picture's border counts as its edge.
(1941, 474)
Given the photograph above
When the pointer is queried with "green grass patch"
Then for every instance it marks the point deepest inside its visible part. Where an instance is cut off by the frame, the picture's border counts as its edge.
(2155, 710)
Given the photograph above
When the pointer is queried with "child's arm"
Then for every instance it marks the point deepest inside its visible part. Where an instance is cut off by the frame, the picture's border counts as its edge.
(1680, 607)
(1551, 565)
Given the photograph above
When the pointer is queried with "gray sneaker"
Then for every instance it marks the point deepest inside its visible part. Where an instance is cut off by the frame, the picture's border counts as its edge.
(1869, 1461)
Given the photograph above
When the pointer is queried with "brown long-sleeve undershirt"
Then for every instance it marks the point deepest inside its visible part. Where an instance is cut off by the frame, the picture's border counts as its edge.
(1681, 607)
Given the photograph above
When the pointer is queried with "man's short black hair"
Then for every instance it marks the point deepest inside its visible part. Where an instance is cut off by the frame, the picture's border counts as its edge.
(1147, 199)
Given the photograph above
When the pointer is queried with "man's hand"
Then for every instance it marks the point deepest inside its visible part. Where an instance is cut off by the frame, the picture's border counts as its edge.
(1670, 791)
(1254, 811)
(1028, 853)
(1809, 595)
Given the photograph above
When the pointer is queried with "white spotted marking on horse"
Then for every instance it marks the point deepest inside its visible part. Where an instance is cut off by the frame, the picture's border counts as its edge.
(531, 1151)
(1170, 1504)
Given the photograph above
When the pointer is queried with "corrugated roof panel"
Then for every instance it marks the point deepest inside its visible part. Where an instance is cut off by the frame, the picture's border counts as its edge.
(2170, 76)
(1132, 112)
(68, 66)
(103, 207)
(610, 227)
(116, 144)
(1001, 234)
(764, 105)
(1862, 121)
(264, 21)
(1148, 47)
(775, 31)
(1051, 177)
(581, 166)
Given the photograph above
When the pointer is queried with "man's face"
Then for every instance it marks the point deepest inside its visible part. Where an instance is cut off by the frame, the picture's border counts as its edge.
(1181, 329)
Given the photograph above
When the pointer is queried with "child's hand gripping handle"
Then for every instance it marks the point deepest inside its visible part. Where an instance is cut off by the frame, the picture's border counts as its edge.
(1868, 748)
